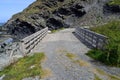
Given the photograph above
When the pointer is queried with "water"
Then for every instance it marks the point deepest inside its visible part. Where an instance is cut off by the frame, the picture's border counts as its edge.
(1, 24)
(6, 41)
(1, 27)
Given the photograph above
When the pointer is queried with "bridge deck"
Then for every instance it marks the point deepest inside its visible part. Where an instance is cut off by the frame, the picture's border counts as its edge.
(56, 46)
(60, 67)
(80, 67)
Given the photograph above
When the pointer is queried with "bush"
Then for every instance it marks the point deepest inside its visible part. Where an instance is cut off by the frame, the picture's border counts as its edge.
(111, 54)
(114, 2)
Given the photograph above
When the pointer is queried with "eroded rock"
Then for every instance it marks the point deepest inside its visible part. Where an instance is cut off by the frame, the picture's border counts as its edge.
(113, 8)
(56, 14)
(53, 23)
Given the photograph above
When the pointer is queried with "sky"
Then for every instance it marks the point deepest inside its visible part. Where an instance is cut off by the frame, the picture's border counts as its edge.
(11, 7)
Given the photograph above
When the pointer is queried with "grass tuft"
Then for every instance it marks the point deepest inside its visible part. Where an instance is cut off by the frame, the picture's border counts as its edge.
(82, 63)
(110, 77)
(28, 66)
(54, 31)
(114, 2)
(71, 56)
(97, 78)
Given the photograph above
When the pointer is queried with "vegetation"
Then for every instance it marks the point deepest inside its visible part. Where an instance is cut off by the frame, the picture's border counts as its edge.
(82, 63)
(110, 77)
(111, 54)
(53, 31)
(29, 66)
(97, 78)
(38, 7)
(71, 56)
(114, 2)
(76, 60)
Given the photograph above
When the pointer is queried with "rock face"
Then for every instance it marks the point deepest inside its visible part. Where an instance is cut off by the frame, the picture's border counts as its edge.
(113, 8)
(56, 14)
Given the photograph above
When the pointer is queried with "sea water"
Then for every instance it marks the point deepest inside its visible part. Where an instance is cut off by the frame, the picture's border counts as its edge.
(1, 24)
(7, 40)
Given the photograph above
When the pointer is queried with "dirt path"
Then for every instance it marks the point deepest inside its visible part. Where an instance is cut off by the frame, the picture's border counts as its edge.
(66, 58)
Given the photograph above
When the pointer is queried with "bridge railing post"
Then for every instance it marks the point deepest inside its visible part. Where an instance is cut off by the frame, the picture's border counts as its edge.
(31, 41)
(93, 39)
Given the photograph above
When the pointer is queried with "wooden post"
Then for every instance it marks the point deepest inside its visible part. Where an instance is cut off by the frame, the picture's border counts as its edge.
(88, 36)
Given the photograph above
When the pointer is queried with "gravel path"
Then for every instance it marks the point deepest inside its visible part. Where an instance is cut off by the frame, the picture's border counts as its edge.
(56, 46)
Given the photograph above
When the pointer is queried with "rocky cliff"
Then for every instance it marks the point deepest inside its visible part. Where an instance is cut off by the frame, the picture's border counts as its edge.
(60, 13)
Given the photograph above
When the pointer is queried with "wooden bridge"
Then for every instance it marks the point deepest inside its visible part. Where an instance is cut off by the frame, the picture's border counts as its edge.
(86, 36)
(93, 39)
(56, 46)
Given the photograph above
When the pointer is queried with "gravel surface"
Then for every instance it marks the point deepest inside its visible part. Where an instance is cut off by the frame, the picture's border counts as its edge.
(57, 45)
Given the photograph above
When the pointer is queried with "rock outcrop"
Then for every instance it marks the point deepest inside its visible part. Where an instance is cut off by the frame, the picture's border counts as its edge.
(112, 8)
(56, 14)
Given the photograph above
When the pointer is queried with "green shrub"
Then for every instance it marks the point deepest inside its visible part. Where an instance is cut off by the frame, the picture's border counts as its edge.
(53, 31)
(111, 54)
(98, 55)
(114, 2)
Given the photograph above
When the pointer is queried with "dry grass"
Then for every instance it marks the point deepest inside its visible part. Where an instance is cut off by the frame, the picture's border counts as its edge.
(101, 72)
(96, 77)
(46, 73)
(82, 63)
(61, 50)
(71, 56)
